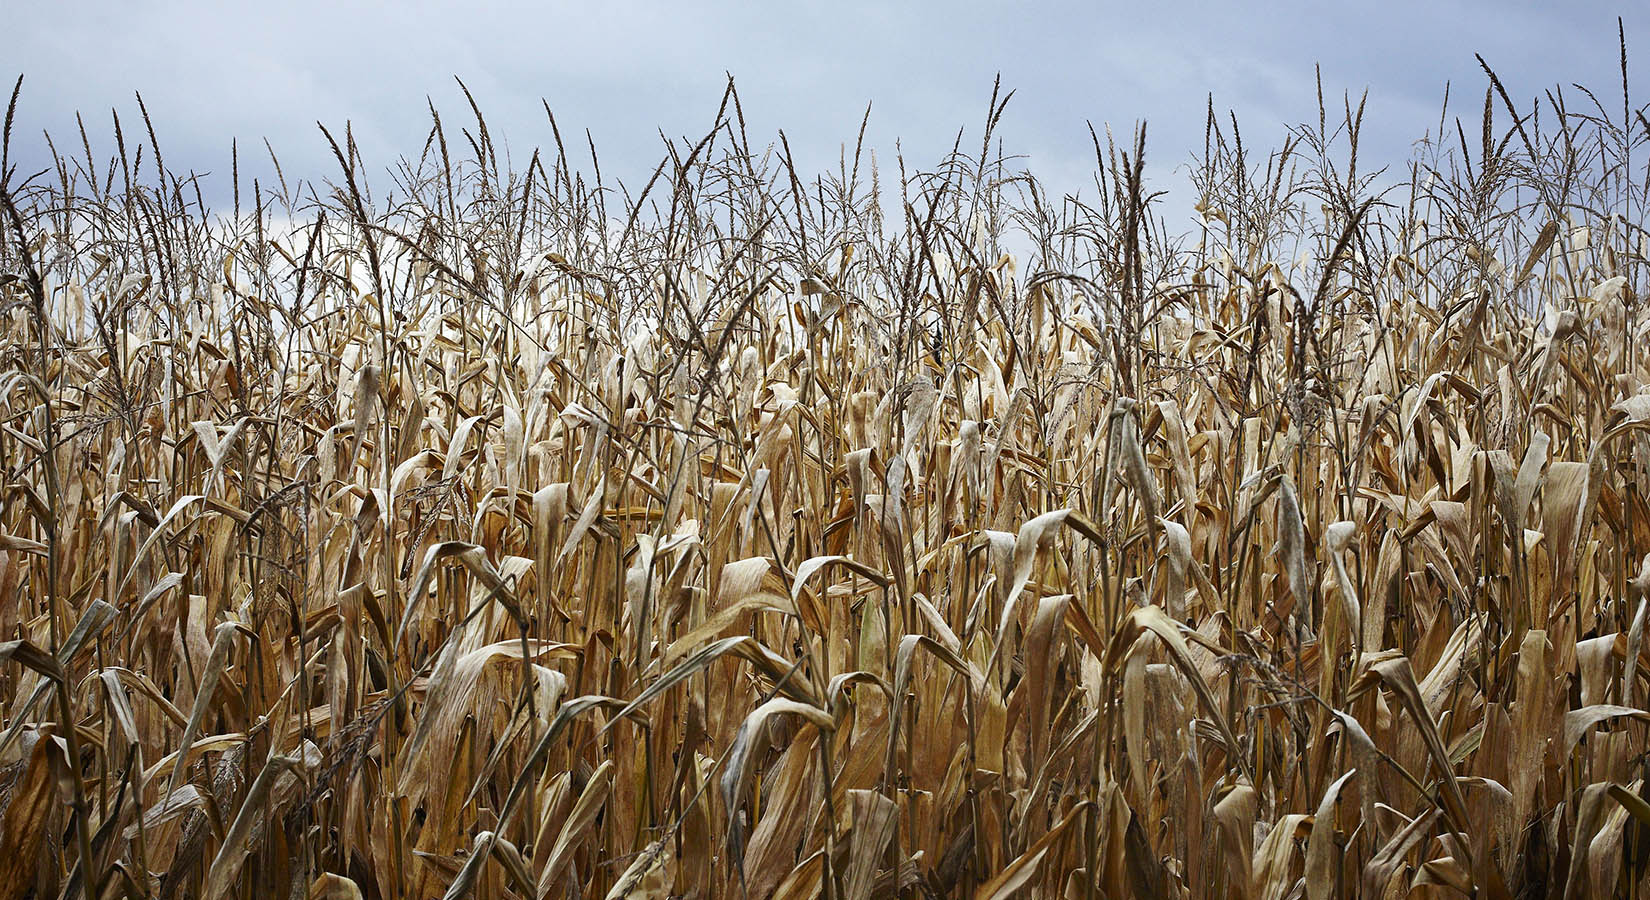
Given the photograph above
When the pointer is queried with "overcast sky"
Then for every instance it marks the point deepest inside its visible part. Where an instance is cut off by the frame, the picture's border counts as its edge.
(210, 72)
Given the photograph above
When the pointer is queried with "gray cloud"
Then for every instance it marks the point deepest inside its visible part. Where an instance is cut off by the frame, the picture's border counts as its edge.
(210, 72)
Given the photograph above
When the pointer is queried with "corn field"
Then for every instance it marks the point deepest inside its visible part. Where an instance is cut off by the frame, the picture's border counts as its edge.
(502, 531)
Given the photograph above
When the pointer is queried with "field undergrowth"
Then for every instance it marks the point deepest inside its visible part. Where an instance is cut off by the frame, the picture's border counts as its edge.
(502, 532)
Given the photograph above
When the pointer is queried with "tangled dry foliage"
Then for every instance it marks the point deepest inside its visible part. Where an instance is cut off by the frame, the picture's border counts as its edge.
(506, 535)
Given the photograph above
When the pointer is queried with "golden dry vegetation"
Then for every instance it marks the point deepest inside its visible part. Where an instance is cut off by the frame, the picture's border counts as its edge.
(505, 533)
